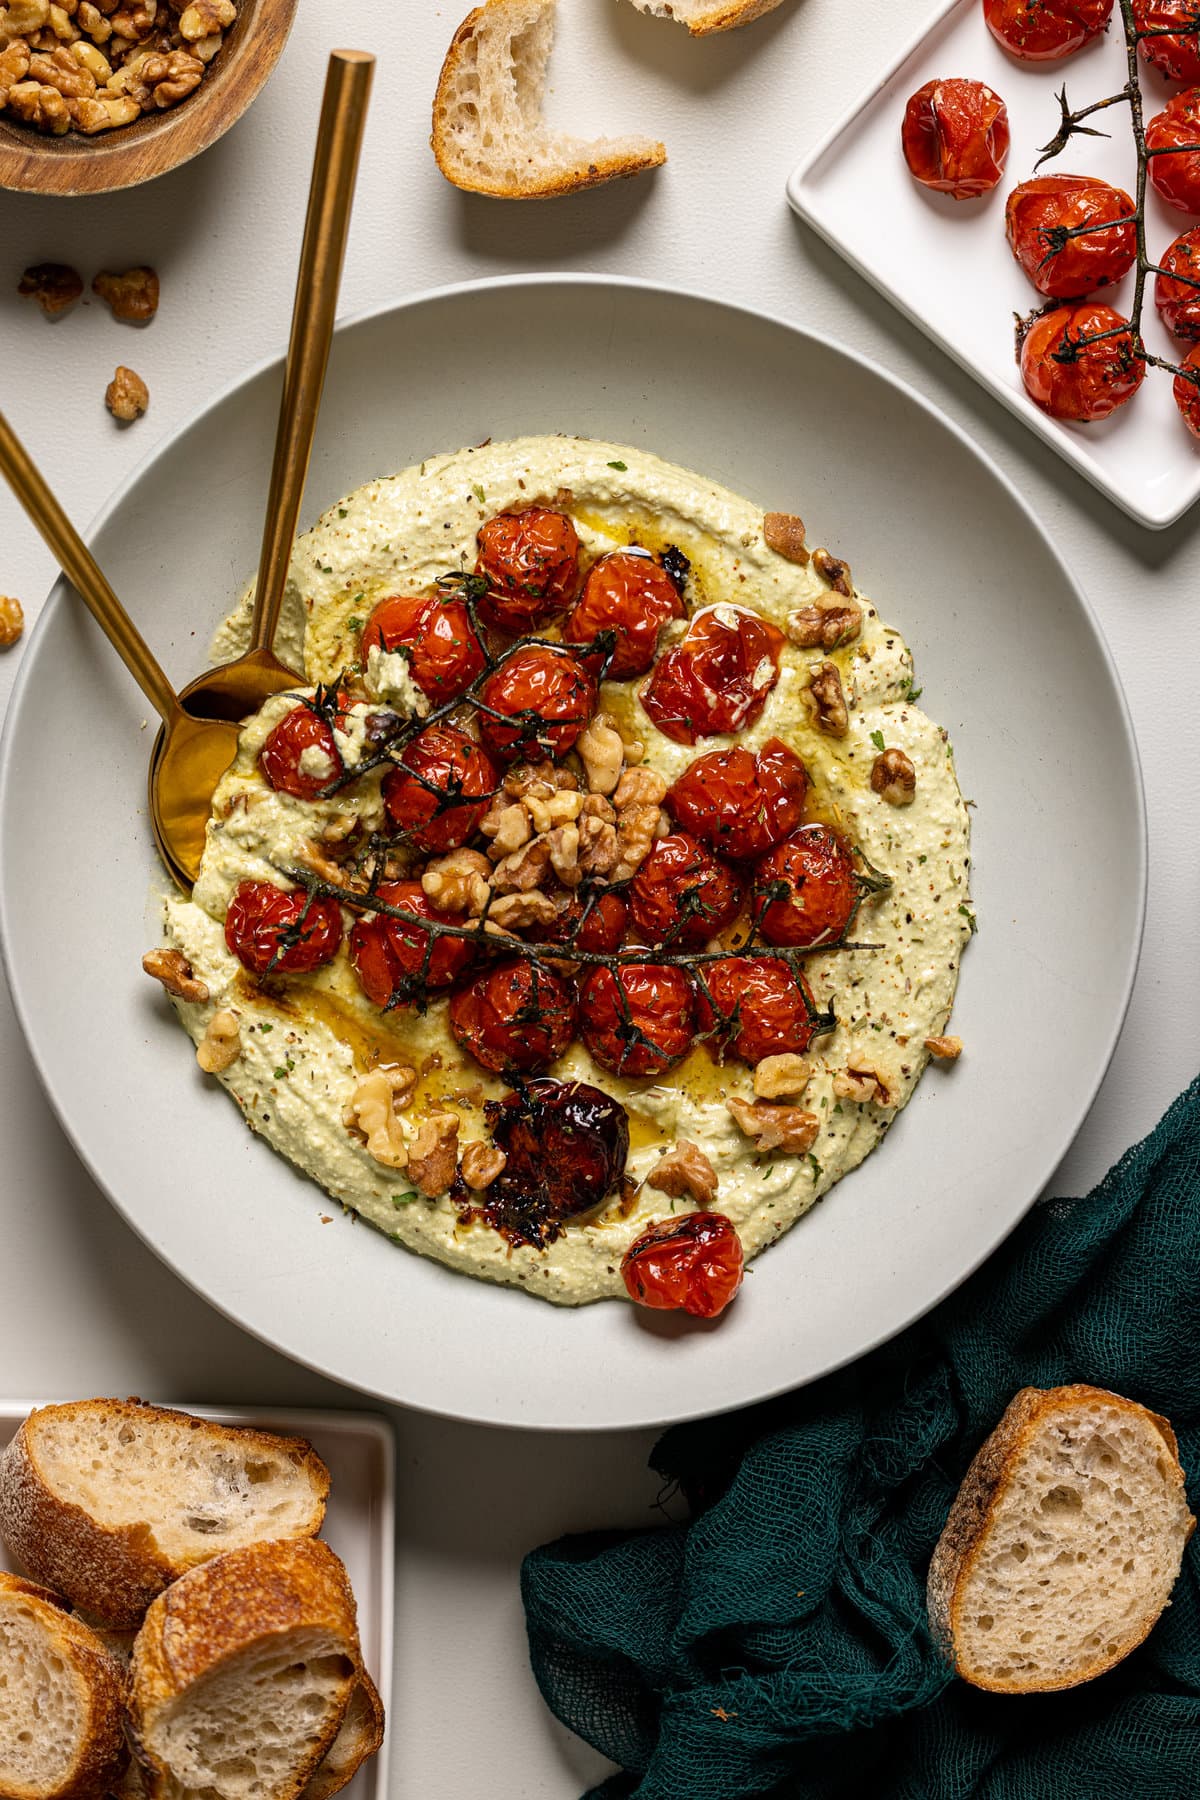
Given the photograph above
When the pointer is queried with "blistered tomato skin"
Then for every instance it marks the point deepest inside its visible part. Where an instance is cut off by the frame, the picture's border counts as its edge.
(806, 888)
(1041, 217)
(644, 1025)
(547, 695)
(718, 678)
(1187, 392)
(436, 633)
(439, 790)
(682, 896)
(1046, 30)
(514, 1018)
(630, 593)
(741, 803)
(565, 1145)
(749, 1007)
(280, 757)
(1172, 135)
(1073, 369)
(1177, 293)
(388, 955)
(1173, 50)
(530, 560)
(955, 138)
(277, 931)
(693, 1265)
(594, 923)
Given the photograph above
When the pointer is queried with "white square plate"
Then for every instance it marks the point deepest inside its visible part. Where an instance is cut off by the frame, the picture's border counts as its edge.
(946, 263)
(359, 1450)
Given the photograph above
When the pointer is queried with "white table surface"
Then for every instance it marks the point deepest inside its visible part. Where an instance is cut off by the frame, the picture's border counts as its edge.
(87, 1309)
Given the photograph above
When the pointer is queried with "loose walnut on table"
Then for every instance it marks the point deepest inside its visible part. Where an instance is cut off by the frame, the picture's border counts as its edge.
(133, 295)
(126, 395)
(12, 621)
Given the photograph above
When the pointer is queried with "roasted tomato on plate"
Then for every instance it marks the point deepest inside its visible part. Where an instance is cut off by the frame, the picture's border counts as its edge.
(750, 1007)
(806, 890)
(682, 895)
(637, 1019)
(717, 678)
(530, 561)
(1046, 30)
(629, 593)
(1177, 286)
(436, 635)
(439, 790)
(300, 755)
(389, 955)
(1173, 137)
(536, 704)
(281, 931)
(1173, 43)
(692, 1265)
(955, 138)
(1187, 391)
(1071, 234)
(514, 1016)
(1080, 362)
(741, 803)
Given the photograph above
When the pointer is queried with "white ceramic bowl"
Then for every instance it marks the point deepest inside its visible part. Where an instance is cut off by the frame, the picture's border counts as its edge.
(1011, 661)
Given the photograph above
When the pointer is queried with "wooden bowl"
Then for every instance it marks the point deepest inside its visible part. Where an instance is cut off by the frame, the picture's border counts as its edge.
(76, 164)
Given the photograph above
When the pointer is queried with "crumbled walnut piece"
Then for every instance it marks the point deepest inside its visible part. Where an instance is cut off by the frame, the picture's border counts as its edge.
(602, 751)
(562, 808)
(62, 24)
(126, 395)
(40, 106)
(24, 17)
(599, 851)
(221, 1044)
(93, 60)
(944, 1049)
(834, 571)
(171, 78)
(782, 1077)
(539, 779)
(204, 17)
(135, 22)
(433, 1154)
(564, 854)
(512, 911)
(826, 701)
(314, 856)
(639, 787)
(636, 829)
(864, 1084)
(14, 66)
(508, 825)
(826, 625)
(173, 969)
(784, 533)
(595, 806)
(12, 621)
(372, 1113)
(893, 777)
(60, 70)
(54, 286)
(459, 882)
(132, 295)
(786, 1128)
(685, 1171)
(94, 22)
(91, 116)
(481, 1163)
(524, 870)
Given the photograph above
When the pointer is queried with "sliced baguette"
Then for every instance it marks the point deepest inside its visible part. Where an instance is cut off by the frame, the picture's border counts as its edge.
(1063, 1543)
(107, 1501)
(360, 1737)
(705, 16)
(242, 1674)
(488, 132)
(62, 1706)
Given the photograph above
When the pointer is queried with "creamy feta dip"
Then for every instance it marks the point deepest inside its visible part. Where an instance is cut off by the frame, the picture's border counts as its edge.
(306, 1041)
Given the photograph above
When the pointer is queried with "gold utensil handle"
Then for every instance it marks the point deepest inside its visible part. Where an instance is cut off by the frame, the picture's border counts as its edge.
(335, 166)
(82, 571)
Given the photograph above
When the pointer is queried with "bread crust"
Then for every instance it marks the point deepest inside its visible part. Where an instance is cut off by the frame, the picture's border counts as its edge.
(598, 170)
(102, 1753)
(976, 1502)
(365, 1719)
(725, 17)
(114, 1572)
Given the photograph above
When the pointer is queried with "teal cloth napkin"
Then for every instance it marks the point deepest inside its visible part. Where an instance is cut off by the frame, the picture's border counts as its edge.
(777, 1644)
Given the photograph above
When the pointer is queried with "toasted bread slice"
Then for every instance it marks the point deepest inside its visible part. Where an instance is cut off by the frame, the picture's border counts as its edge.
(107, 1501)
(62, 1706)
(1063, 1543)
(242, 1674)
(359, 1739)
(705, 16)
(488, 133)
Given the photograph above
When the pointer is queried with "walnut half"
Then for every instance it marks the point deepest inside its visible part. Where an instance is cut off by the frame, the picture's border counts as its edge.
(893, 778)
(865, 1084)
(944, 1049)
(826, 700)
(825, 625)
(173, 969)
(685, 1171)
(482, 1164)
(132, 296)
(126, 395)
(221, 1044)
(372, 1113)
(786, 1128)
(433, 1154)
(782, 1077)
(784, 534)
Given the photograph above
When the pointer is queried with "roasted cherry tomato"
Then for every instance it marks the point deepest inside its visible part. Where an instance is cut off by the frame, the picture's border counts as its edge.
(530, 560)
(514, 1017)
(682, 895)
(389, 954)
(440, 789)
(1073, 369)
(813, 872)
(642, 1026)
(300, 755)
(955, 137)
(1045, 30)
(444, 654)
(565, 1146)
(276, 931)
(628, 592)
(692, 1265)
(1044, 215)
(754, 1007)
(595, 923)
(1173, 135)
(1174, 46)
(717, 678)
(1177, 293)
(1187, 391)
(741, 804)
(548, 695)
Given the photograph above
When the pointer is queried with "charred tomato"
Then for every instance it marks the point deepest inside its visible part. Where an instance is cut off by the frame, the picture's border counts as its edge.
(1174, 44)
(547, 695)
(530, 561)
(717, 678)
(754, 1006)
(1045, 30)
(1177, 288)
(595, 923)
(281, 930)
(440, 789)
(1071, 234)
(1187, 391)
(955, 137)
(301, 737)
(514, 1017)
(1172, 135)
(741, 803)
(638, 1018)
(806, 889)
(1080, 362)
(693, 1265)
(436, 634)
(389, 954)
(629, 593)
(565, 1146)
(682, 895)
